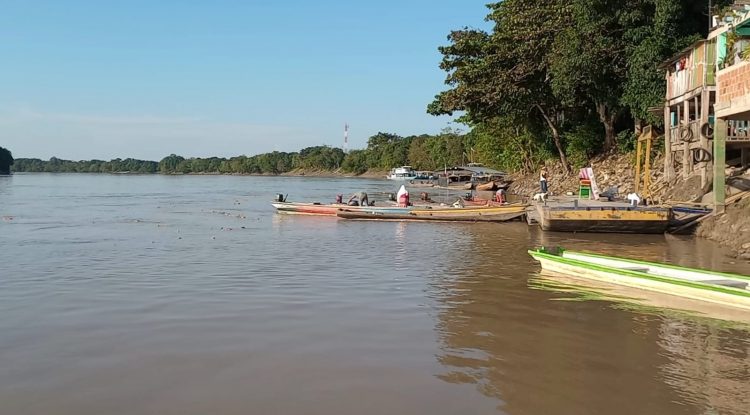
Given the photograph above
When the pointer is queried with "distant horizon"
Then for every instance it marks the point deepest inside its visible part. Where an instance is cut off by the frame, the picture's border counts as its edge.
(220, 79)
(191, 157)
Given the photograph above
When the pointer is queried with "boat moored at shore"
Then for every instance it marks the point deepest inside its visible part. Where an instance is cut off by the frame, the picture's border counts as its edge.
(724, 289)
(465, 214)
(402, 173)
(329, 209)
(614, 219)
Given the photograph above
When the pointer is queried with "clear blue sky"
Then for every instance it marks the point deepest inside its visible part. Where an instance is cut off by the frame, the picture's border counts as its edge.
(105, 79)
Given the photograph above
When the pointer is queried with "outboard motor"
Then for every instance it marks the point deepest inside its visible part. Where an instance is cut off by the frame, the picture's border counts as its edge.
(468, 196)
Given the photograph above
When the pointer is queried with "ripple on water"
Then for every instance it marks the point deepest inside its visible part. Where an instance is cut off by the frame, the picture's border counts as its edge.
(188, 295)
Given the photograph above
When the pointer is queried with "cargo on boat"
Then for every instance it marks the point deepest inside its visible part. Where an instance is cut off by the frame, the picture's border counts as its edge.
(614, 219)
(720, 288)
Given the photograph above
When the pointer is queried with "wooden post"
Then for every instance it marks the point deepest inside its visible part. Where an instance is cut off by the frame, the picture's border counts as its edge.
(637, 165)
(647, 168)
(687, 166)
(720, 155)
(668, 156)
(706, 166)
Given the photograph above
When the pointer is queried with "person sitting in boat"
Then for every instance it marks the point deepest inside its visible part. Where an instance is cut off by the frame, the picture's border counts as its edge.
(359, 199)
(403, 196)
(500, 196)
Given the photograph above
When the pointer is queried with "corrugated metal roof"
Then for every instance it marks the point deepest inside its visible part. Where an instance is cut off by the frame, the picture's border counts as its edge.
(479, 169)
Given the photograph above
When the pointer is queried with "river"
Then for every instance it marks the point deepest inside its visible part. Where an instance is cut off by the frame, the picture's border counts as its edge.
(128, 294)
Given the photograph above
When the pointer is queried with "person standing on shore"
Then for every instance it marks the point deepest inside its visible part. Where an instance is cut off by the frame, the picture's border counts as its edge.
(543, 179)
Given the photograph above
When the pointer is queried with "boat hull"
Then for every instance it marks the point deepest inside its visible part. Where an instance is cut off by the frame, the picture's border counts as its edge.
(315, 209)
(605, 219)
(578, 266)
(401, 178)
(487, 214)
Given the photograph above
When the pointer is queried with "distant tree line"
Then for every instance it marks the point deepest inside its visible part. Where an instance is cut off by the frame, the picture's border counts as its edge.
(56, 165)
(384, 151)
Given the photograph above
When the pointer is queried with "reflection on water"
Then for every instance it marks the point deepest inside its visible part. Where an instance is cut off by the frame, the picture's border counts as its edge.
(707, 366)
(188, 295)
(533, 359)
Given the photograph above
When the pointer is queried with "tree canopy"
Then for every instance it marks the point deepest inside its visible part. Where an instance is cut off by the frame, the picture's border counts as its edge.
(6, 160)
(554, 69)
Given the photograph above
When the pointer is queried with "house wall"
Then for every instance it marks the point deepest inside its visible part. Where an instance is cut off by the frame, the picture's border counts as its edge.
(733, 89)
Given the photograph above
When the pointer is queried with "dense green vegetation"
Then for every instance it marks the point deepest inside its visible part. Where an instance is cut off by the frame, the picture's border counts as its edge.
(6, 160)
(55, 165)
(571, 76)
(384, 151)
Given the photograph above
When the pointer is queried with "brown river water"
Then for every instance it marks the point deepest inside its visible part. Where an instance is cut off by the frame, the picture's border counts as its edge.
(188, 295)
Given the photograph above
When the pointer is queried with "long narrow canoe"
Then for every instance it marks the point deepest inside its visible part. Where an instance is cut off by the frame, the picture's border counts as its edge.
(298, 208)
(714, 287)
(470, 214)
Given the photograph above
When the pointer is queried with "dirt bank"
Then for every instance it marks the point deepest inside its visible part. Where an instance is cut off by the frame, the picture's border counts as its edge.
(618, 170)
(612, 170)
(731, 229)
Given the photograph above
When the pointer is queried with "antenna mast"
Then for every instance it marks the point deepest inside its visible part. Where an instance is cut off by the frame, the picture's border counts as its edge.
(346, 137)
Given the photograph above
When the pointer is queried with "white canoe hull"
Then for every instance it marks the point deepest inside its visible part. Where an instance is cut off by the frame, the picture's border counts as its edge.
(690, 288)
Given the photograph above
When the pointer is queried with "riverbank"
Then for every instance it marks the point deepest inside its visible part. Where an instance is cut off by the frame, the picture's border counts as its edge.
(611, 171)
(731, 229)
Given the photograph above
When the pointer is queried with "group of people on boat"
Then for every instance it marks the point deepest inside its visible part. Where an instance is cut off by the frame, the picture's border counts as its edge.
(361, 199)
(402, 198)
(357, 199)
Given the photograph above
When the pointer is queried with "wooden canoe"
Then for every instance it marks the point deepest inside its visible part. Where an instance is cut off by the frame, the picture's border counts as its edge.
(720, 288)
(469, 214)
(320, 209)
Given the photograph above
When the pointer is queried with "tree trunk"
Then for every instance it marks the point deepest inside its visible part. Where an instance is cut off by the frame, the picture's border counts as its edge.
(608, 120)
(556, 139)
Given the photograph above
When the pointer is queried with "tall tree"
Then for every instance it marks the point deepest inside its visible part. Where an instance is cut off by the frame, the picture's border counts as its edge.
(6, 160)
(588, 61)
(507, 72)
